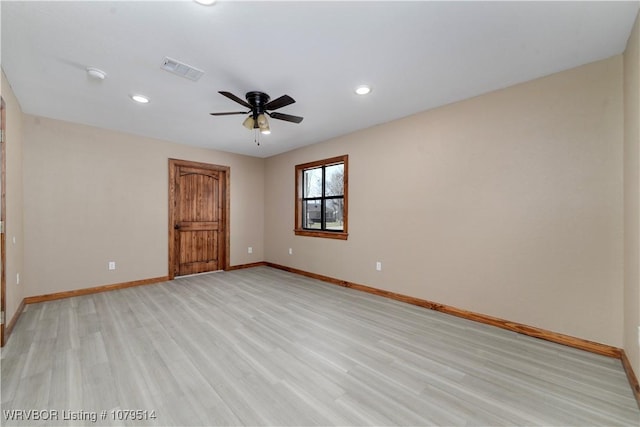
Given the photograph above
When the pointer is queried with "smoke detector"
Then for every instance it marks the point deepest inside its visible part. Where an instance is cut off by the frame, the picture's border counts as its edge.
(96, 73)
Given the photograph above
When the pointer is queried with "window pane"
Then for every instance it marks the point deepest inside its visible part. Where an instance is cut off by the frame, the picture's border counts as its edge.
(311, 214)
(321, 204)
(312, 183)
(334, 214)
(334, 176)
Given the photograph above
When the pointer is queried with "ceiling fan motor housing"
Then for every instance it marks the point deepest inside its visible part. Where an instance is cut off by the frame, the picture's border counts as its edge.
(258, 100)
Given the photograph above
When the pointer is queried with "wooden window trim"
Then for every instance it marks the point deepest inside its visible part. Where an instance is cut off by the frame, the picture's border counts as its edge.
(298, 230)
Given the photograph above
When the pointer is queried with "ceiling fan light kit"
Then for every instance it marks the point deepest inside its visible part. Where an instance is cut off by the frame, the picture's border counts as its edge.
(248, 122)
(263, 124)
(260, 105)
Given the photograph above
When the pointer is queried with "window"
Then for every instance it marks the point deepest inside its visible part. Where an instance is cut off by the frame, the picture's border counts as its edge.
(321, 198)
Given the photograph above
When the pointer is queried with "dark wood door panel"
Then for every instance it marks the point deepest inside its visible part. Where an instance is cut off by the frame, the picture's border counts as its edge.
(198, 197)
(198, 211)
(197, 219)
(198, 251)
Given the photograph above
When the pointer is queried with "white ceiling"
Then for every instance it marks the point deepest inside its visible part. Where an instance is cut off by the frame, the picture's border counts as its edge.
(415, 55)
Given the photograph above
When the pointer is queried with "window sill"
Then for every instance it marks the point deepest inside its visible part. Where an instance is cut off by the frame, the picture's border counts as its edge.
(326, 234)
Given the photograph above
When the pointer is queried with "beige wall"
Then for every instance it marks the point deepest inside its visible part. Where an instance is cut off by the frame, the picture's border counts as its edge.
(632, 198)
(93, 195)
(14, 204)
(508, 204)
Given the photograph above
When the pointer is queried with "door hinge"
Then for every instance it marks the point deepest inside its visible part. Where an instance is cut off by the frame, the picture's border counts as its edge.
(1, 227)
(1, 136)
(2, 318)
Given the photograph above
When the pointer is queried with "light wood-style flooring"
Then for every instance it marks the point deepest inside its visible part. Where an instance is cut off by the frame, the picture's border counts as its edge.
(265, 347)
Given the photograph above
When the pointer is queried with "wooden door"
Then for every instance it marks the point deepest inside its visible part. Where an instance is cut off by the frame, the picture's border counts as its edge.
(198, 217)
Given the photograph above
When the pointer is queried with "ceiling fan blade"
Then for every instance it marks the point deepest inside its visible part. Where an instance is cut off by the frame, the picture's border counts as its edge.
(283, 101)
(229, 113)
(235, 98)
(286, 117)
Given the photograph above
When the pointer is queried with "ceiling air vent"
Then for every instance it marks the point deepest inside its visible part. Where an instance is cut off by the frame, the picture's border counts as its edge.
(181, 69)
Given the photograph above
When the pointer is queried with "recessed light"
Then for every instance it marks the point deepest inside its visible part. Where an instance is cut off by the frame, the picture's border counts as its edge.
(205, 2)
(140, 98)
(363, 90)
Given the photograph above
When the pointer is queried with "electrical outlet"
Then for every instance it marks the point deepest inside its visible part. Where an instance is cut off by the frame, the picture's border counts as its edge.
(638, 335)
(378, 266)
(17, 278)
(290, 251)
(250, 250)
(112, 265)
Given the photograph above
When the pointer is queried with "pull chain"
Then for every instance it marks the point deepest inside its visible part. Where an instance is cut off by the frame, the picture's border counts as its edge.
(256, 137)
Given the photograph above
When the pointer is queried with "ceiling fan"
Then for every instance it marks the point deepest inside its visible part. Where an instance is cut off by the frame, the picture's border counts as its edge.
(259, 105)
